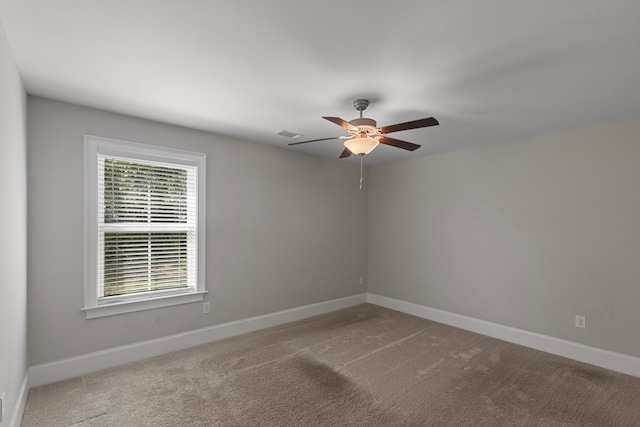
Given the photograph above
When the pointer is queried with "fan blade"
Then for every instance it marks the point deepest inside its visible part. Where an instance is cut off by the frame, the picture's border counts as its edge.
(345, 153)
(398, 143)
(315, 140)
(422, 123)
(342, 123)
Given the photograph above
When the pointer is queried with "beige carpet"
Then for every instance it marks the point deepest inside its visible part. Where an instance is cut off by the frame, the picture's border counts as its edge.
(363, 366)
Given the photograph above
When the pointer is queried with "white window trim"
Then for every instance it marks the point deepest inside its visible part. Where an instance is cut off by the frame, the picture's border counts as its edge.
(95, 145)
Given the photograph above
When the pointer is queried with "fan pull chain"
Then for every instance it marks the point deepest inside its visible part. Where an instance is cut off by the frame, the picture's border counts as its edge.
(361, 156)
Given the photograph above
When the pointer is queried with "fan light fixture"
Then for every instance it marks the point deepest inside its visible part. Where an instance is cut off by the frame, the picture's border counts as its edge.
(361, 144)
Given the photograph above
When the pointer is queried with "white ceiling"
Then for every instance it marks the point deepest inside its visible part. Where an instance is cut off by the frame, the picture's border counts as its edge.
(489, 71)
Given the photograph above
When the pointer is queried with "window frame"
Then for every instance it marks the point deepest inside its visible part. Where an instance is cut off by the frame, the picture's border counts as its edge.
(94, 146)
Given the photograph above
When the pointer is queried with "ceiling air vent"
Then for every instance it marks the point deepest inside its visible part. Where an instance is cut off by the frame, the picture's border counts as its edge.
(289, 134)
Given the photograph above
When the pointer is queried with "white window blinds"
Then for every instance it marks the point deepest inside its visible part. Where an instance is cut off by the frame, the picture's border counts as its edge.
(147, 236)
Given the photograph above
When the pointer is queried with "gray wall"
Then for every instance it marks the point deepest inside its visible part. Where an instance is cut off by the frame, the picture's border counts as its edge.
(526, 234)
(283, 230)
(13, 229)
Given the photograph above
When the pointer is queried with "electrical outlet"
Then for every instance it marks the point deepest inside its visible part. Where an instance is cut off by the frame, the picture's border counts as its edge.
(206, 307)
(362, 280)
(581, 321)
(1, 406)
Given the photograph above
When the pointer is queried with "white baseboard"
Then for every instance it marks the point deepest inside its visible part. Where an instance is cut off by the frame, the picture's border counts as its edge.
(72, 367)
(18, 411)
(606, 359)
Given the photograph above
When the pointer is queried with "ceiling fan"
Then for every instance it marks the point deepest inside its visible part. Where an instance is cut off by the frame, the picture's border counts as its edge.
(365, 135)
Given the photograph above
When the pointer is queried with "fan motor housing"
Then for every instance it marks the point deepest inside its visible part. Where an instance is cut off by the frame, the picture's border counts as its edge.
(365, 125)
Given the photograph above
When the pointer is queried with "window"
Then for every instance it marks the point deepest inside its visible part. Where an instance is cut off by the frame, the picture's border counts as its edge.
(144, 227)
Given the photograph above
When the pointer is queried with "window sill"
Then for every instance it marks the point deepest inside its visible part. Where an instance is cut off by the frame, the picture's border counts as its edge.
(143, 304)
